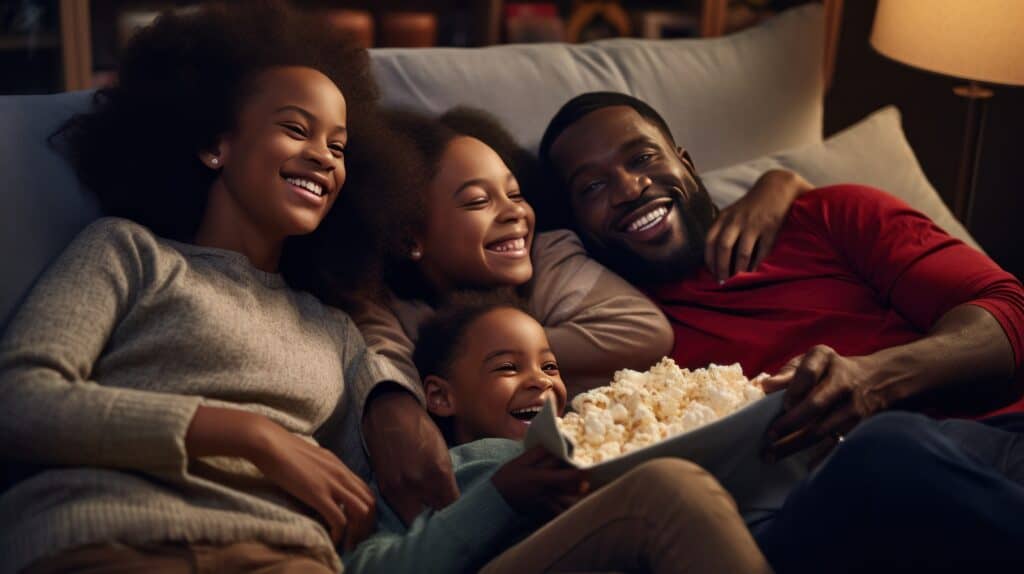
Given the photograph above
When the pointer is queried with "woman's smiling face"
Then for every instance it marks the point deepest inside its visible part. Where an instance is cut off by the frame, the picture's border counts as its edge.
(479, 229)
(283, 164)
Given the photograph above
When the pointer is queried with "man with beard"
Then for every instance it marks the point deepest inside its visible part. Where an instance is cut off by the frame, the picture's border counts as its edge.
(862, 306)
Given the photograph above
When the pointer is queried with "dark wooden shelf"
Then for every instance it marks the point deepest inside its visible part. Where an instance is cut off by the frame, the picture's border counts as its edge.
(9, 42)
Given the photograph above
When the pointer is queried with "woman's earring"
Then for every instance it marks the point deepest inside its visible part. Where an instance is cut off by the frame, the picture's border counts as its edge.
(416, 254)
(215, 160)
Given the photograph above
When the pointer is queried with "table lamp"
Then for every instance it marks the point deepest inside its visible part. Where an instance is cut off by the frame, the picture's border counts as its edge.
(981, 41)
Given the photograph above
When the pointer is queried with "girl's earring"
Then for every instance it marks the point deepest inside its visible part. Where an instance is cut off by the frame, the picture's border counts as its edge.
(215, 161)
(416, 254)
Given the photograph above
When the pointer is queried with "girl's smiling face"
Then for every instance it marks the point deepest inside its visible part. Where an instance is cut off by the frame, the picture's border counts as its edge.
(479, 229)
(283, 165)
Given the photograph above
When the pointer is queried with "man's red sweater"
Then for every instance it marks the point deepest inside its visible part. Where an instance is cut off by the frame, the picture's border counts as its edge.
(852, 268)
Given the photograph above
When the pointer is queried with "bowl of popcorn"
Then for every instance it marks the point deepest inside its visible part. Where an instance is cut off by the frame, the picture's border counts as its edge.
(639, 409)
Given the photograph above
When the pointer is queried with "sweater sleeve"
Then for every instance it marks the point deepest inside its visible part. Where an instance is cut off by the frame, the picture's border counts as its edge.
(383, 335)
(596, 322)
(54, 408)
(461, 538)
(915, 266)
(364, 369)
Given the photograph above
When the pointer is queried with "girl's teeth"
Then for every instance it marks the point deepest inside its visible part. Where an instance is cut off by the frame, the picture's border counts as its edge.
(510, 245)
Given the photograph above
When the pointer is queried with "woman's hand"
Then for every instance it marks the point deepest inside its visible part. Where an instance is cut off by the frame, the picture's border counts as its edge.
(827, 395)
(744, 232)
(537, 484)
(311, 474)
(409, 456)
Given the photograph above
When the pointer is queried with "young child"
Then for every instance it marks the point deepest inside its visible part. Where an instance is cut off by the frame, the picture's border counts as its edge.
(487, 368)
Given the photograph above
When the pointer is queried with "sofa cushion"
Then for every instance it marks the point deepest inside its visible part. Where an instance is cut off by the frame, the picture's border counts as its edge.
(42, 205)
(873, 152)
(729, 98)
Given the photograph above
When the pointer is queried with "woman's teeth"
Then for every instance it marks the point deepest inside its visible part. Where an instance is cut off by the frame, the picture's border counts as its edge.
(310, 186)
(648, 221)
(510, 245)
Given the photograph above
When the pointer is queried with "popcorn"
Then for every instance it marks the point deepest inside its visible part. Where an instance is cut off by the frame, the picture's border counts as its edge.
(638, 409)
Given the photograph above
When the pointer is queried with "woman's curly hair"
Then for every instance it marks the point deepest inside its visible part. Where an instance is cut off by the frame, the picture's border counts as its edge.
(181, 84)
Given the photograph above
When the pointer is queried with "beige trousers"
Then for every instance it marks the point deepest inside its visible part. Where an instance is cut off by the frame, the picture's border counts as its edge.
(667, 515)
(180, 559)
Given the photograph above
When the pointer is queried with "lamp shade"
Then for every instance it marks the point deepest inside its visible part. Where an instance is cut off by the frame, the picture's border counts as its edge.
(980, 40)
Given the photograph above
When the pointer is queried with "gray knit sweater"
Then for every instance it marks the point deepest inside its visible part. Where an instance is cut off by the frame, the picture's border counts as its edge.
(104, 365)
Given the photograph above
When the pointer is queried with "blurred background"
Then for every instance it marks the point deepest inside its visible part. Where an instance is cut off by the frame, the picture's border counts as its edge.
(50, 46)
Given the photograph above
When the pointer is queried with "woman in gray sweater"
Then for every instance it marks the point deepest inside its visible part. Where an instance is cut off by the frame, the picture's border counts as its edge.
(164, 379)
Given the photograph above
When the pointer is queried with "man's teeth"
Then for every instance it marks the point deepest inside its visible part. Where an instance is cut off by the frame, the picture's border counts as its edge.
(526, 414)
(649, 220)
(510, 245)
(310, 186)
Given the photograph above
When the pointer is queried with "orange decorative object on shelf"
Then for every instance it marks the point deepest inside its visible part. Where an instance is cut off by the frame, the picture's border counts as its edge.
(408, 29)
(358, 23)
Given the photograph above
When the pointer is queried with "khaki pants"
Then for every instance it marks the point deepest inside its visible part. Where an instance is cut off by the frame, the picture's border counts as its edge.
(667, 515)
(180, 559)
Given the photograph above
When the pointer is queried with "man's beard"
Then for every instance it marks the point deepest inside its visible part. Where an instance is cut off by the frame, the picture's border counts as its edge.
(697, 212)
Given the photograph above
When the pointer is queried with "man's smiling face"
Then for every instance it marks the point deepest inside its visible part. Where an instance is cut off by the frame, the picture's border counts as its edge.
(635, 198)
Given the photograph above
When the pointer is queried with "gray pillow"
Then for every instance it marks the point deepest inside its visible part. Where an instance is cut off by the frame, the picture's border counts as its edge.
(42, 204)
(873, 152)
(732, 98)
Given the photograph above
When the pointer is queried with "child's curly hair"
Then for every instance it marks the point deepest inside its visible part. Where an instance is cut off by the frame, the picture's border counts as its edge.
(441, 336)
(181, 84)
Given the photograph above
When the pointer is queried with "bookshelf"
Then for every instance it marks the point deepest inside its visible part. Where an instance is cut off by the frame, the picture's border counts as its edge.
(43, 45)
(78, 47)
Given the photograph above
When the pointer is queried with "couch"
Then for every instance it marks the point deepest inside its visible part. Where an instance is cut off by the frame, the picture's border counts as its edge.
(740, 104)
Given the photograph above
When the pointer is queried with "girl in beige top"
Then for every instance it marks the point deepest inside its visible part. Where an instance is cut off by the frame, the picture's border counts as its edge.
(469, 226)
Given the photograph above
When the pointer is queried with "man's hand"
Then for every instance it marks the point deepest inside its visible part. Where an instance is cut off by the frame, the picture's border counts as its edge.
(537, 484)
(826, 396)
(408, 454)
(744, 232)
(965, 358)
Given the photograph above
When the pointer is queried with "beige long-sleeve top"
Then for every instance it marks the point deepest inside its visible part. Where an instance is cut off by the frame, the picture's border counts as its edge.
(595, 321)
(104, 366)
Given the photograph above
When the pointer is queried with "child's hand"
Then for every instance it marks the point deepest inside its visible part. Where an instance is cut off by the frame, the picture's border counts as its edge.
(538, 484)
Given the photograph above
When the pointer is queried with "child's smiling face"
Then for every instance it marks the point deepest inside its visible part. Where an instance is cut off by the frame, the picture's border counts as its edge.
(479, 229)
(504, 373)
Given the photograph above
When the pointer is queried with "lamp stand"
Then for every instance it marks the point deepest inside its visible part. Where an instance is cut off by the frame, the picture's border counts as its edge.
(963, 201)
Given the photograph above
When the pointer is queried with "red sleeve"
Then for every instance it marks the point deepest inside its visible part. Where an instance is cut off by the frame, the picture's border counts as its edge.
(916, 267)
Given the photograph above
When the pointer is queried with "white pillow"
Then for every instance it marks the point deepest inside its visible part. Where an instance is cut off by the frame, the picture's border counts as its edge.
(872, 152)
